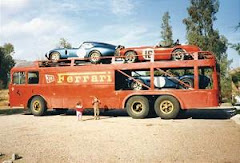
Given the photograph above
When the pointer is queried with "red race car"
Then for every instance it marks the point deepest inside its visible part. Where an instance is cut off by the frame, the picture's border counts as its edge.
(143, 53)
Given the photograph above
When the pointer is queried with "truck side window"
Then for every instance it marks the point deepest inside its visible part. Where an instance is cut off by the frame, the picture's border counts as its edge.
(33, 77)
(19, 78)
(205, 78)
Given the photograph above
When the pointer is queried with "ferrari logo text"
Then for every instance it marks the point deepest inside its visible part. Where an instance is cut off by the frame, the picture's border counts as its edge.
(86, 77)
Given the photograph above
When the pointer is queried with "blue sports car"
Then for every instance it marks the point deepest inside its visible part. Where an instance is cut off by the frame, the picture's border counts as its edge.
(168, 82)
(91, 50)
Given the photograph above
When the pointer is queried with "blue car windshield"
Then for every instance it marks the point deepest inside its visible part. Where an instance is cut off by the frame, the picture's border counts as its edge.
(86, 45)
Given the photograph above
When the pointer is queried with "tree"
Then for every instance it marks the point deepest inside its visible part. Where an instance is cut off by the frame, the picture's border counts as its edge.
(200, 32)
(6, 63)
(235, 82)
(237, 45)
(64, 44)
(166, 33)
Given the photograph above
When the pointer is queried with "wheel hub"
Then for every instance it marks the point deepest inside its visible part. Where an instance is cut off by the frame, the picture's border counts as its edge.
(94, 57)
(137, 86)
(137, 107)
(55, 57)
(166, 107)
(130, 57)
(178, 55)
(37, 106)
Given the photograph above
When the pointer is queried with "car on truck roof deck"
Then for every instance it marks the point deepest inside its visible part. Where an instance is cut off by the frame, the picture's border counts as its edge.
(175, 52)
(89, 49)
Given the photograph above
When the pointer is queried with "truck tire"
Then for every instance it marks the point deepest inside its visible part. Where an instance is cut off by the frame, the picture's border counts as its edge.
(38, 106)
(137, 107)
(167, 107)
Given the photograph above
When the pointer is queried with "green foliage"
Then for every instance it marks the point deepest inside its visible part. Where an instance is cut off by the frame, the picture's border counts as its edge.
(166, 33)
(6, 63)
(226, 80)
(200, 32)
(236, 77)
(64, 44)
(237, 45)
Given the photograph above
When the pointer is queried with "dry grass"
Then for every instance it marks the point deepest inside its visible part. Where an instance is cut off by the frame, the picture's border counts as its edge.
(4, 98)
(4, 108)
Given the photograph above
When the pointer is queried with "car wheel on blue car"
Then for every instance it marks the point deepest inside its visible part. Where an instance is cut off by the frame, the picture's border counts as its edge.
(95, 57)
(137, 85)
(54, 56)
(187, 81)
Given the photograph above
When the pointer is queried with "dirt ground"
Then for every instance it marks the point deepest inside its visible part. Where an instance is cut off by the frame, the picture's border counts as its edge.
(198, 137)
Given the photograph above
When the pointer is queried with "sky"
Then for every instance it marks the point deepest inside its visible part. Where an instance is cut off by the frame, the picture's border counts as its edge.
(35, 26)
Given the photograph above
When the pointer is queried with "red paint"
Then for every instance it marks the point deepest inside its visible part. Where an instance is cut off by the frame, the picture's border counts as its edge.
(160, 53)
(63, 87)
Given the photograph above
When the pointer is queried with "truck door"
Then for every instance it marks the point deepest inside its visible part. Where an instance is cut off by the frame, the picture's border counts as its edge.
(17, 89)
(33, 85)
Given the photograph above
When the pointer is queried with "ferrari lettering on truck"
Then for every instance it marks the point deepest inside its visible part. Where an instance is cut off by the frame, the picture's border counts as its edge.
(84, 77)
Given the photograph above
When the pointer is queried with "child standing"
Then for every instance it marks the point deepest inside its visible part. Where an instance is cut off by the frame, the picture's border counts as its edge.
(96, 102)
(79, 110)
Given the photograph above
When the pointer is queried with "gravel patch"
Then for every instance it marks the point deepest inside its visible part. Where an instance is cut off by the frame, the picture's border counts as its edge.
(236, 119)
(56, 138)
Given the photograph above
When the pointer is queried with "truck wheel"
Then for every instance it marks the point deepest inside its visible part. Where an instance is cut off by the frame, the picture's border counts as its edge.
(137, 107)
(38, 106)
(167, 107)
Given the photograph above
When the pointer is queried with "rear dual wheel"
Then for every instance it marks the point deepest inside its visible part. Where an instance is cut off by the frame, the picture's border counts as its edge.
(137, 107)
(167, 107)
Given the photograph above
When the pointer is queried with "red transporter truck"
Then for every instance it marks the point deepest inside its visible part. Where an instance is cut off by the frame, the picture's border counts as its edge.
(168, 86)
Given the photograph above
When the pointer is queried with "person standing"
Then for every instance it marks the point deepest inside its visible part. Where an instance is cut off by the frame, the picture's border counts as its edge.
(96, 102)
(79, 110)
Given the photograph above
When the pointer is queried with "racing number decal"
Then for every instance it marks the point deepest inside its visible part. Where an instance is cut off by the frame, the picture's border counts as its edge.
(147, 53)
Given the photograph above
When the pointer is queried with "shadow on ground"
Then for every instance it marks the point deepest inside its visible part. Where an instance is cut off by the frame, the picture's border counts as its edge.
(207, 114)
(11, 111)
(194, 114)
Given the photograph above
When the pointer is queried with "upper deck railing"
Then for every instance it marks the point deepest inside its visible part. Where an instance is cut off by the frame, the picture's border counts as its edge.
(201, 55)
